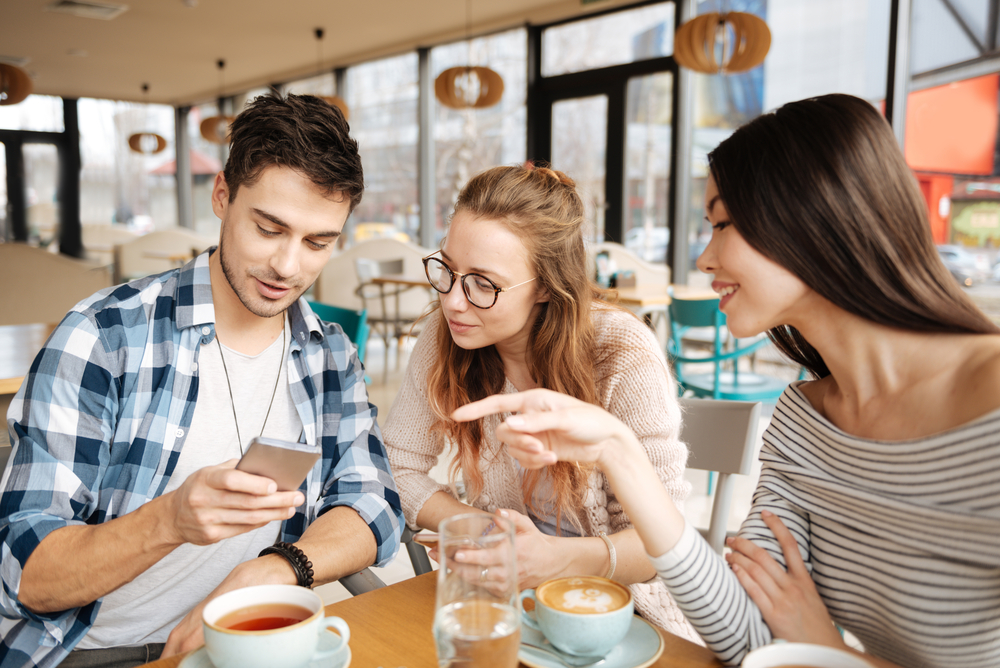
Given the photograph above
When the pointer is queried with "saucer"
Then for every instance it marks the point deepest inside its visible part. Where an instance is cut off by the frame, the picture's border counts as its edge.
(327, 640)
(641, 647)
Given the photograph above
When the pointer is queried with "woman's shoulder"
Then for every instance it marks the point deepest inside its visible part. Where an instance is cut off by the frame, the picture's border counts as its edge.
(624, 341)
(612, 323)
(976, 383)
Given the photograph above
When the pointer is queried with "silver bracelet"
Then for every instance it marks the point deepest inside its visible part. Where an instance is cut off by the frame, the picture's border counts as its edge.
(611, 551)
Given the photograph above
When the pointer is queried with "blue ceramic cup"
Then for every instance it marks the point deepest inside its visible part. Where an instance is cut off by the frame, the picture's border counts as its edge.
(583, 616)
(290, 646)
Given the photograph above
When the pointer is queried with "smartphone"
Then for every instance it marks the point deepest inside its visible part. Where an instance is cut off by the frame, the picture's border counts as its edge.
(284, 462)
(426, 539)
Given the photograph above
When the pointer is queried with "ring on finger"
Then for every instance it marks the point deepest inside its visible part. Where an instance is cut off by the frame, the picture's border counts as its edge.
(482, 574)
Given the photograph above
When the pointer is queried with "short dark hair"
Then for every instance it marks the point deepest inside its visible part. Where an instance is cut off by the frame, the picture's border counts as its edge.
(302, 132)
(820, 187)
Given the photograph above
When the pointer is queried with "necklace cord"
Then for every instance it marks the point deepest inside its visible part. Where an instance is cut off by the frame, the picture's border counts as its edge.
(274, 392)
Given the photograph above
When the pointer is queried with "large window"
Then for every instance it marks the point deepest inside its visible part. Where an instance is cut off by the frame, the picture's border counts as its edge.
(39, 113)
(611, 39)
(604, 116)
(118, 185)
(382, 98)
(834, 46)
(467, 141)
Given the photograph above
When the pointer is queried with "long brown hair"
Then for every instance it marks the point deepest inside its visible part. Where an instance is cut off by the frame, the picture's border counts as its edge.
(820, 187)
(541, 206)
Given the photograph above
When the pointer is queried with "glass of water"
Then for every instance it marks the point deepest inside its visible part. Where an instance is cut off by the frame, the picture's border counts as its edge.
(476, 620)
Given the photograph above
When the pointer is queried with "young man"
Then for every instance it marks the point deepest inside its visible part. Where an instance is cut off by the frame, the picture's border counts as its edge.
(122, 512)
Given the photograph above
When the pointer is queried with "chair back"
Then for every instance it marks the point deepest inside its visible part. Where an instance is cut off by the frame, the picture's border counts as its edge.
(689, 314)
(721, 437)
(40, 287)
(338, 283)
(368, 269)
(646, 273)
(354, 323)
(148, 254)
(696, 313)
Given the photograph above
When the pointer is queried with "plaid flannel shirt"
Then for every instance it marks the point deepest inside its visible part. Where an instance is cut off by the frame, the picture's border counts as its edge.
(99, 422)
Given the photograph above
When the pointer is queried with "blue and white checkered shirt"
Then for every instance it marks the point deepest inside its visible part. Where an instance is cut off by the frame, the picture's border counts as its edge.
(99, 423)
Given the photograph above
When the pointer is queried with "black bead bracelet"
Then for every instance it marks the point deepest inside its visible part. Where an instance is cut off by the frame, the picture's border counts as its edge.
(297, 558)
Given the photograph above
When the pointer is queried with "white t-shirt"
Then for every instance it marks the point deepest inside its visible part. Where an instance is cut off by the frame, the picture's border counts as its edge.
(147, 609)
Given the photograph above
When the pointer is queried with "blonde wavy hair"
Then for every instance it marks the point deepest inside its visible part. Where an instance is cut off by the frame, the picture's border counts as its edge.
(542, 207)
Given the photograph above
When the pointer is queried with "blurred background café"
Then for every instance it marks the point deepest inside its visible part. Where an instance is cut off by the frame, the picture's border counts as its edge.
(113, 119)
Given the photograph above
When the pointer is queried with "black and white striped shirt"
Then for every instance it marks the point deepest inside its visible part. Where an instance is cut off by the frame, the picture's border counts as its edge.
(902, 539)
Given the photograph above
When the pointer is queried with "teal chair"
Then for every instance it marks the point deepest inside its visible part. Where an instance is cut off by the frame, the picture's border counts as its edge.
(721, 383)
(354, 323)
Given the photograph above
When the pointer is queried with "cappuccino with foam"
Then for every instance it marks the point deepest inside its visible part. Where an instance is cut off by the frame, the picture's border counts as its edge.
(583, 595)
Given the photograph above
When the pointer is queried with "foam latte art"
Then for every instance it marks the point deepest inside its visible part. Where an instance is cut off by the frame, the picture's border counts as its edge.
(588, 599)
(583, 595)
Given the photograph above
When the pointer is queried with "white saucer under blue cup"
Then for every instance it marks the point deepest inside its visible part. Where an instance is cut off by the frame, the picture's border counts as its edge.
(327, 640)
(640, 648)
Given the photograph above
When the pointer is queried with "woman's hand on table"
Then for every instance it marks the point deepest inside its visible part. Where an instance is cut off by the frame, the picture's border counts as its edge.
(540, 557)
(787, 599)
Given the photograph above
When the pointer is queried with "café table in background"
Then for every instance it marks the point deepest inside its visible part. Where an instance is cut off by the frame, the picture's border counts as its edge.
(392, 627)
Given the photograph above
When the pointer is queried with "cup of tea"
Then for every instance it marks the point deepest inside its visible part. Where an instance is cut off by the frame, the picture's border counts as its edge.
(801, 655)
(583, 616)
(271, 625)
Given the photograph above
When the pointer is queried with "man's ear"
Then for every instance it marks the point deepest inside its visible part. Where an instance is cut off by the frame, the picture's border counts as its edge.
(220, 196)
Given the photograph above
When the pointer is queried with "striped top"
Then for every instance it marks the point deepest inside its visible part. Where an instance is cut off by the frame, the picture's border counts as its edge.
(902, 539)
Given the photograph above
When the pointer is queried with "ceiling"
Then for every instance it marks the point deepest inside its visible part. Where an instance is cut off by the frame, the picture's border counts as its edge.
(173, 45)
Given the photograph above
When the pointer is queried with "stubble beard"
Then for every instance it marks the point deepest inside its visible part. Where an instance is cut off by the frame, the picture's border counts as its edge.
(258, 308)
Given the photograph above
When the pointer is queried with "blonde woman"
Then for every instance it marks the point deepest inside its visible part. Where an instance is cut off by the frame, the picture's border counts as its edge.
(517, 310)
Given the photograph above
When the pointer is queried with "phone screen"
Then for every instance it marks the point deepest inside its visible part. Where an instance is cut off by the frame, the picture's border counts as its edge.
(284, 462)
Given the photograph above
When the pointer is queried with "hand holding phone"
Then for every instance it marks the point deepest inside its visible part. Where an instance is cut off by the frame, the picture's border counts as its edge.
(284, 462)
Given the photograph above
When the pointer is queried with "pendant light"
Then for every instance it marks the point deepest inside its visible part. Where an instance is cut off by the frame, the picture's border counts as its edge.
(147, 143)
(722, 43)
(216, 128)
(333, 100)
(468, 86)
(15, 84)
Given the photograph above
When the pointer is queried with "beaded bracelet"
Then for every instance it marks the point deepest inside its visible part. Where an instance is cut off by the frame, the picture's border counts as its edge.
(297, 558)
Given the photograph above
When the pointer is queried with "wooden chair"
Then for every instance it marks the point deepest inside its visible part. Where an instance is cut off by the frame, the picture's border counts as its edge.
(720, 383)
(157, 252)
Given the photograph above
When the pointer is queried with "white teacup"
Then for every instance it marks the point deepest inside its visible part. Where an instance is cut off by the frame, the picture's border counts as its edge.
(290, 646)
(795, 654)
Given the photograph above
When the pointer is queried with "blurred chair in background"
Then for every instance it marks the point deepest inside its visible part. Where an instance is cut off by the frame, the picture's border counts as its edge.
(726, 380)
(157, 252)
(354, 323)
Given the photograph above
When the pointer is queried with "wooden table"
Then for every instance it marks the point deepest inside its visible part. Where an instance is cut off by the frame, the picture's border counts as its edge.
(391, 628)
(18, 346)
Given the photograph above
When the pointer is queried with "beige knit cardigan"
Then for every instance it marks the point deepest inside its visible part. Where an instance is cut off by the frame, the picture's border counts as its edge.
(635, 385)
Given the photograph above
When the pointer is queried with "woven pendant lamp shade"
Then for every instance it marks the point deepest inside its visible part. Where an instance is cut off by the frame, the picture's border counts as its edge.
(15, 84)
(140, 144)
(695, 42)
(147, 143)
(216, 128)
(468, 87)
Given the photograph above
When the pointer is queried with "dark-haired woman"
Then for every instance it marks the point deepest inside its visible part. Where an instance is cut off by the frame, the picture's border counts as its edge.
(878, 506)
(517, 309)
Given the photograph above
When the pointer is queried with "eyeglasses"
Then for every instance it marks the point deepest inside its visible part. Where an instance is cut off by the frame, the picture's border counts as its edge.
(479, 290)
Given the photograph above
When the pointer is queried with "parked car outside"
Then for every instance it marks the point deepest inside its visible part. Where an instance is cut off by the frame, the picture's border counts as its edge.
(968, 268)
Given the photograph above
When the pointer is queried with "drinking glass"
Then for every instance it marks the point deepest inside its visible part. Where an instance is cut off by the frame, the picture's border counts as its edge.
(476, 619)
